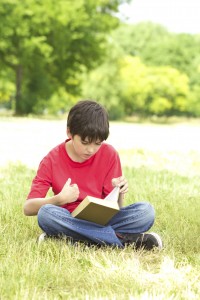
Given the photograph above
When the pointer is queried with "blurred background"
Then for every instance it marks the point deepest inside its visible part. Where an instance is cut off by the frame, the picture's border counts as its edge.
(141, 59)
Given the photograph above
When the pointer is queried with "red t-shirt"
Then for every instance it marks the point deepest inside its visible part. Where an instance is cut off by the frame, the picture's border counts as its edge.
(92, 176)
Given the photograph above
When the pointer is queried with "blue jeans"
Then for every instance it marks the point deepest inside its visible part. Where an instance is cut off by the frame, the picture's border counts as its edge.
(57, 221)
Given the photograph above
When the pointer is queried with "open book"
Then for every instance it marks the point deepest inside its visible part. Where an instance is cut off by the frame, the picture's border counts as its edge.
(97, 210)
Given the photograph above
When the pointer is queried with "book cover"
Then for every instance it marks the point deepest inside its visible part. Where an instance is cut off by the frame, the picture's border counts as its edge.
(97, 210)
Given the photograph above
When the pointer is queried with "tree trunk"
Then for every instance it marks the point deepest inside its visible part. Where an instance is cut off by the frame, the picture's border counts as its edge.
(18, 106)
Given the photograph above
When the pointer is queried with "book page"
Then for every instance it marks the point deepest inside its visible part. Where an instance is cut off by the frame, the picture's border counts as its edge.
(114, 195)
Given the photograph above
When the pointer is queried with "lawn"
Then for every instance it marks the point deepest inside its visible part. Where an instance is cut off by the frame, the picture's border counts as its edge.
(60, 270)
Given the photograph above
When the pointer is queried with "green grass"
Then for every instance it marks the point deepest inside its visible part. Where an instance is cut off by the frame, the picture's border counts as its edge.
(59, 270)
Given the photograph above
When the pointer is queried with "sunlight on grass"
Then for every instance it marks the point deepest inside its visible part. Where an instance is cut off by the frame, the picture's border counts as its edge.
(187, 163)
(169, 179)
(59, 270)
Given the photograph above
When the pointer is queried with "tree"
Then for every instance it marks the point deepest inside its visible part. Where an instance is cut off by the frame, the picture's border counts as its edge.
(157, 47)
(47, 44)
(103, 84)
(131, 87)
(143, 40)
(7, 89)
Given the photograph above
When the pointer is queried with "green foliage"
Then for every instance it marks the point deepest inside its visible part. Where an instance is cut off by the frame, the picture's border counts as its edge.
(158, 47)
(7, 89)
(148, 71)
(48, 43)
(132, 87)
(103, 84)
(143, 39)
(58, 103)
(55, 52)
(194, 103)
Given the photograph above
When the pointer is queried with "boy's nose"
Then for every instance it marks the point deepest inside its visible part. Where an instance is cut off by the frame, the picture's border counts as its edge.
(90, 149)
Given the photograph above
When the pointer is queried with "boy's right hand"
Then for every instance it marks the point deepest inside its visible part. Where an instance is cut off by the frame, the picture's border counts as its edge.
(69, 193)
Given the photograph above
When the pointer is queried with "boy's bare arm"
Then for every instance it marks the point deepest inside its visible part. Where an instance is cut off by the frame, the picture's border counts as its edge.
(69, 193)
(32, 206)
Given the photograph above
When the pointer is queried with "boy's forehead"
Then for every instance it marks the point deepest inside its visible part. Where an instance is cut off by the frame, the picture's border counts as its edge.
(90, 139)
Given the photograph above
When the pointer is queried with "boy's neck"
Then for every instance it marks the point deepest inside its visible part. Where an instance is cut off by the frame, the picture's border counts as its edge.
(71, 153)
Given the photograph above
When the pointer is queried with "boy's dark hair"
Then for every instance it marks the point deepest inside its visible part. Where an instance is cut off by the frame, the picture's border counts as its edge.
(88, 119)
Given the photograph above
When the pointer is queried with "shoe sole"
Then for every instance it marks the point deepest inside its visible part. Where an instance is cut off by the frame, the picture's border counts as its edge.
(157, 237)
(41, 238)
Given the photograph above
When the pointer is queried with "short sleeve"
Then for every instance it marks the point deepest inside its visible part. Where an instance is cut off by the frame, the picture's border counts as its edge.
(42, 181)
(114, 171)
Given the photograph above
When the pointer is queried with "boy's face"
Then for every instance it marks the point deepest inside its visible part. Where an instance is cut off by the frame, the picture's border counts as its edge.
(83, 150)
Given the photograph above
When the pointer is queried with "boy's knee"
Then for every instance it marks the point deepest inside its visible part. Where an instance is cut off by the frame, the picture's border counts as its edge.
(43, 211)
(148, 210)
(150, 213)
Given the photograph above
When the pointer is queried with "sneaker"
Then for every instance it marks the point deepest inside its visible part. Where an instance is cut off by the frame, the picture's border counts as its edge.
(41, 238)
(146, 241)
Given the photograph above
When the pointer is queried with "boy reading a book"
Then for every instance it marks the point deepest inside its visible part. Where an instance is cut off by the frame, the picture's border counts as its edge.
(85, 165)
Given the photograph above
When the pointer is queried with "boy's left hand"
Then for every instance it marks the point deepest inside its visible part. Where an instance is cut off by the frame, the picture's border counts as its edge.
(122, 183)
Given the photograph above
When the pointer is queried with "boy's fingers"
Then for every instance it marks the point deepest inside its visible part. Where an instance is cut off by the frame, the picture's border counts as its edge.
(68, 181)
(115, 181)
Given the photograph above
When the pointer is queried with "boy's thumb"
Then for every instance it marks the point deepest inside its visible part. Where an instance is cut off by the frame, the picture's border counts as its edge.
(68, 181)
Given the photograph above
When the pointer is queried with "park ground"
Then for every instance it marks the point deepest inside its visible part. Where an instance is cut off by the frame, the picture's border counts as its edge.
(162, 165)
(156, 146)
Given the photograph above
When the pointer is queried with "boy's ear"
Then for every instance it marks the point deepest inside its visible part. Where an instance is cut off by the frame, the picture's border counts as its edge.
(69, 133)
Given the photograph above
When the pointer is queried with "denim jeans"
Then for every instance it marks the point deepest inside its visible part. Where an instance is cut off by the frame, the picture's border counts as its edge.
(57, 221)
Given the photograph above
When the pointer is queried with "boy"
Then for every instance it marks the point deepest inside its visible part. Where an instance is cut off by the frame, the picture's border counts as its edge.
(85, 165)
